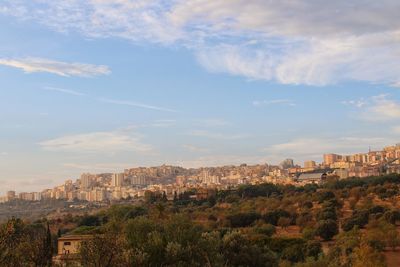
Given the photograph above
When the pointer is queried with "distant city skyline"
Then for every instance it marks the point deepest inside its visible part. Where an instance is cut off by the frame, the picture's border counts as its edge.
(359, 164)
(191, 83)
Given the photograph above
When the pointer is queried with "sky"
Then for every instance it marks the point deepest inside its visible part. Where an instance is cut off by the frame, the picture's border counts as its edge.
(103, 85)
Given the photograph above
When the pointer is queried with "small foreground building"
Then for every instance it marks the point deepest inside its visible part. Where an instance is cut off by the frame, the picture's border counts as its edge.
(68, 247)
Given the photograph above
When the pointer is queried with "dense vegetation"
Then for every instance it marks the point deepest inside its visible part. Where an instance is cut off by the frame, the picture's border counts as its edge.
(354, 220)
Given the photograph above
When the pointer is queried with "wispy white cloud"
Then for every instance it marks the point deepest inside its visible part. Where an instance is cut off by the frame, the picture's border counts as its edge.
(65, 91)
(302, 42)
(215, 135)
(108, 167)
(135, 104)
(104, 142)
(163, 123)
(31, 64)
(212, 123)
(133, 20)
(285, 102)
(35, 182)
(193, 148)
(377, 108)
(220, 160)
(359, 103)
(383, 109)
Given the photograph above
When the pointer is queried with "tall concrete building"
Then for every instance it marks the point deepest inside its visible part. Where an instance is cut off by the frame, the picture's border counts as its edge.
(309, 164)
(86, 181)
(139, 180)
(286, 164)
(330, 159)
(117, 179)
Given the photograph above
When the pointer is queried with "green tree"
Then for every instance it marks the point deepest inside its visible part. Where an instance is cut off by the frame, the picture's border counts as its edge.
(105, 250)
(239, 251)
(243, 219)
(327, 229)
(160, 207)
(346, 243)
(36, 245)
(11, 236)
(366, 256)
(381, 234)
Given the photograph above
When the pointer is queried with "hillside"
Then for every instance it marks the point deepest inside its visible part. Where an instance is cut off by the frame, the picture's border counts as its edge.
(351, 222)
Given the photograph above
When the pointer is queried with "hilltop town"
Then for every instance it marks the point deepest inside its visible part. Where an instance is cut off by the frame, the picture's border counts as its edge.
(172, 181)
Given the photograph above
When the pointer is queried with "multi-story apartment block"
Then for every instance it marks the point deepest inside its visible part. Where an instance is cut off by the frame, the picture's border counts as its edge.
(86, 181)
(117, 180)
(139, 180)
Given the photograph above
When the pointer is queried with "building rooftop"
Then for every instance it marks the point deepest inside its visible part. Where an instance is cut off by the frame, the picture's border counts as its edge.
(75, 237)
(312, 176)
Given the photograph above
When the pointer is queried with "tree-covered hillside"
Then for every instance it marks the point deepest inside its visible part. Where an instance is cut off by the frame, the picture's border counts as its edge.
(350, 222)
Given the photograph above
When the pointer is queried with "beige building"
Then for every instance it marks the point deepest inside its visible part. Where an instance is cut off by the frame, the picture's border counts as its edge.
(117, 179)
(331, 158)
(68, 249)
(309, 164)
(86, 180)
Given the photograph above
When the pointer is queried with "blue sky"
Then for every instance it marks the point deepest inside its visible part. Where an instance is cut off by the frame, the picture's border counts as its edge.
(103, 85)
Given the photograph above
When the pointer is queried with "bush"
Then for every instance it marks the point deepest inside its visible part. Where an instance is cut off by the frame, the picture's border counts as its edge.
(272, 217)
(377, 209)
(136, 212)
(327, 229)
(262, 190)
(392, 216)
(326, 215)
(325, 196)
(313, 249)
(243, 219)
(89, 220)
(359, 218)
(239, 251)
(308, 233)
(266, 229)
(294, 253)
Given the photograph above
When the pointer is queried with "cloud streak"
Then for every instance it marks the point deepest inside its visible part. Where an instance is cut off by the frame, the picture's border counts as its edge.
(220, 160)
(64, 91)
(213, 135)
(65, 69)
(104, 142)
(285, 102)
(196, 149)
(135, 104)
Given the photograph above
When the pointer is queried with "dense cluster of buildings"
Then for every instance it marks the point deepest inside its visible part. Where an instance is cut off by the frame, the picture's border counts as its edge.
(172, 180)
(366, 164)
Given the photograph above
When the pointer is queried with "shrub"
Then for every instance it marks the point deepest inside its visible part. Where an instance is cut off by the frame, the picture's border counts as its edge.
(359, 218)
(243, 219)
(266, 229)
(327, 229)
(272, 217)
